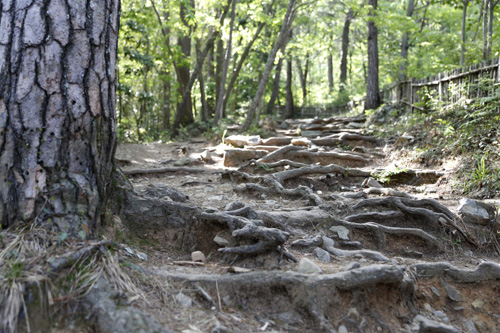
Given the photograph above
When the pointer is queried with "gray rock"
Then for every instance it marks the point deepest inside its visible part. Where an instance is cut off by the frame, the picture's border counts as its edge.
(234, 205)
(242, 140)
(431, 326)
(307, 266)
(198, 256)
(441, 316)
(342, 329)
(107, 317)
(219, 328)
(371, 182)
(478, 305)
(219, 240)
(289, 317)
(341, 231)
(353, 265)
(476, 212)
(183, 300)
(452, 292)
(435, 291)
(327, 241)
(162, 191)
(142, 256)
(470, 326)
(322, 255)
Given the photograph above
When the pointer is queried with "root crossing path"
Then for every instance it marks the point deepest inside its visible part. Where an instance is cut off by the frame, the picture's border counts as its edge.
(316, 228)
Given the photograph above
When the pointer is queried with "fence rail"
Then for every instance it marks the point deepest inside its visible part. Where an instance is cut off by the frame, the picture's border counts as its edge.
(448, 87)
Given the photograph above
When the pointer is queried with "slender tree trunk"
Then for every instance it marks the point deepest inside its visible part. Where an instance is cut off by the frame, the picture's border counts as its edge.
(241, 61)
(167, 87)
(289, 112)
(464, 22)
(219, 65)
(405, 44)
(186, 97)
(303, 72)
(345, 49)
(210, 80)
(490, 26)
(220, 100)
(184, 114)
(282, 38)
(57, 111)
(276, 86)
(372, 85)
(329, 61)
(485, 28)
(204, 106)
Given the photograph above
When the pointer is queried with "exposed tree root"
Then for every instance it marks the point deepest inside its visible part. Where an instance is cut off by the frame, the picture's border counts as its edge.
(373, 255)
(277, 154)
(485, 271)
(390, 192)
(135, 172)
(429, 210)
(74, 256)
(315, 298)
(262, 239)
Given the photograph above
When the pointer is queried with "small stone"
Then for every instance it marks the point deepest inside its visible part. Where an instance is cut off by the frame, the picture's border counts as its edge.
(435, 291)
(219, 240)
(477, 305)
(322, 255)
(341, 231)
(142, 256)
(353, 313)
(353, 265)
(198, 256)
(219, 328)
(234, 205)
(342, 329)
(453, 292)
(476, 212)
(468, 253)
(428, 326)
(441, 316)
(183, 300)
(371, 182)
(327, 242)
(206, 156)
(307, 266)
(470, 326)
(428, 307)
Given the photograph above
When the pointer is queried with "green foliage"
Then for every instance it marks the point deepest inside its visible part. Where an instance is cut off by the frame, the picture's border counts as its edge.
(385, 176)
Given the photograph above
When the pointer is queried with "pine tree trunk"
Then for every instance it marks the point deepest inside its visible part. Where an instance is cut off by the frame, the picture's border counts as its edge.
(405, 45)
(289, 93)
(345, 48)
(464, 21)
(329, 61)
(372, 85)
(57, 111)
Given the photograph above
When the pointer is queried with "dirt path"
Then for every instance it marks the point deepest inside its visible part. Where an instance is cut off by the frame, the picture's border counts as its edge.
(315, 229)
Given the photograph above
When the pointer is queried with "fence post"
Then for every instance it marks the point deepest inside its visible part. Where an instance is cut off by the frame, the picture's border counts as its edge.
(440, 87)
(411, 95)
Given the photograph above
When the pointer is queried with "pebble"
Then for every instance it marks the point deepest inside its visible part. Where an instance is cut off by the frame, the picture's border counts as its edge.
(183, 300)
(327, 241)
(221, 241)
(198, 256)
(322, 255)
(342, 329)
(477, 305)
(307, 266)
(453, 292)
(435, 291)
(142, 256)
(353, 265)
(341, 231)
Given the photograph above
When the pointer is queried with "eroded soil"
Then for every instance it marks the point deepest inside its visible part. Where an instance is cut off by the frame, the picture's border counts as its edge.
(393, 256)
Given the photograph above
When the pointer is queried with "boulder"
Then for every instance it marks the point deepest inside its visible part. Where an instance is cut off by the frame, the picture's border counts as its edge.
(307, 266)
(476, 212)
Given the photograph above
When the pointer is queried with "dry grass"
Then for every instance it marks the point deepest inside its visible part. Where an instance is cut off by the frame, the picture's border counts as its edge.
(27, 262)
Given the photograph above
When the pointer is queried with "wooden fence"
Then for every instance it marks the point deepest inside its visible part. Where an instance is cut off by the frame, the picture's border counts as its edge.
(448, 88)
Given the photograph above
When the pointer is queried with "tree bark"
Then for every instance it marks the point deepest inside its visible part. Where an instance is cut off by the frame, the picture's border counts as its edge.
(289, 112)
(57, 111)
(184, 113)
(405, 44)
(485, 28)
(204, 106)
(303, 72)
(372, 84)
(465, 4)
(186, 97)
(276, 86)
(329, 61)
(282, 37)
(345, 49)
(219, 109)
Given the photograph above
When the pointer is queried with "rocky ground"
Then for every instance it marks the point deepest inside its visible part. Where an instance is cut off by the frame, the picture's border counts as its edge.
(318, 228)
(322, 226)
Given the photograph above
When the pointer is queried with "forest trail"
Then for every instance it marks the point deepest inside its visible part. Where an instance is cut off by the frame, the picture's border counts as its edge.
(317, 228)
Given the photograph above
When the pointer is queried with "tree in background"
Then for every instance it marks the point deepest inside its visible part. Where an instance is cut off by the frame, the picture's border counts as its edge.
(372, 83)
